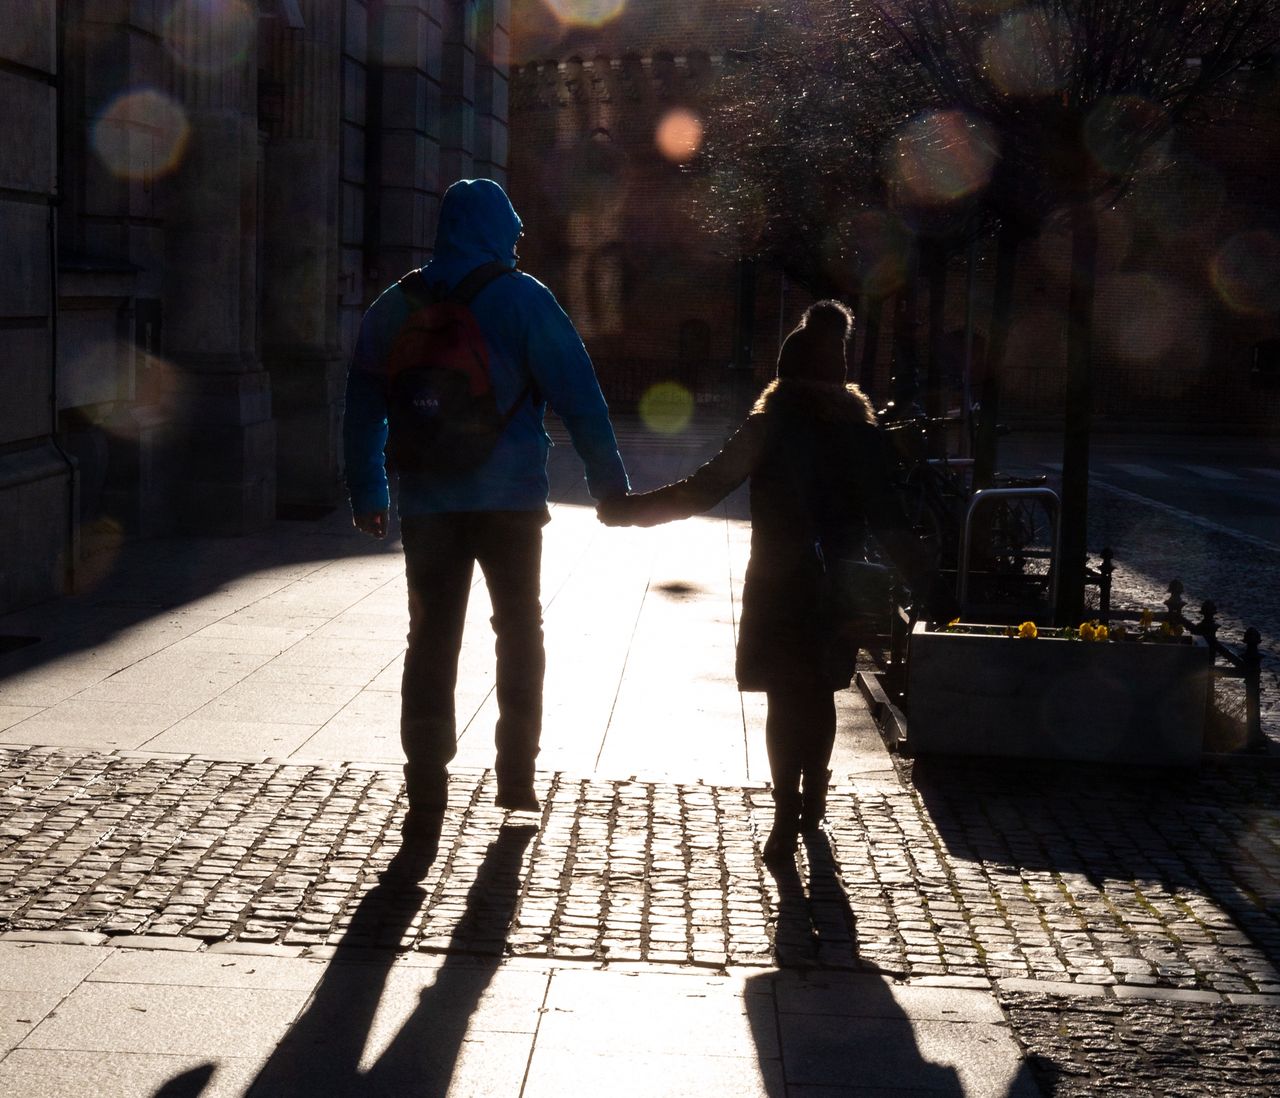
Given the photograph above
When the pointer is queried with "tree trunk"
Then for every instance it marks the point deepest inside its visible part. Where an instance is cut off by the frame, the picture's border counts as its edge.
(1073, 552)
(986, 445)
(935, 395)
(873, 308)
(904, 384)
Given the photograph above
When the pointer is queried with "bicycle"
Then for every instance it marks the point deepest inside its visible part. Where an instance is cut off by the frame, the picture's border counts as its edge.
(999, 555)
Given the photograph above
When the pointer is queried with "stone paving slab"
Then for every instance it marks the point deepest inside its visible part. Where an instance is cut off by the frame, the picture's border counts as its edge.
(375, 1022)
(1061, 876)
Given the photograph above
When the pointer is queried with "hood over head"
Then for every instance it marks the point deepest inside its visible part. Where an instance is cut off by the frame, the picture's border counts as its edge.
(477, 224)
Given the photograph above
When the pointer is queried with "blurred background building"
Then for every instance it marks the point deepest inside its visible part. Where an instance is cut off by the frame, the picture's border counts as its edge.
(608, 120)
(199, 198)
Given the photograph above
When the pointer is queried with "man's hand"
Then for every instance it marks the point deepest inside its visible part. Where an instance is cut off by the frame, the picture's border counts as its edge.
(613, 511)
(374, 524)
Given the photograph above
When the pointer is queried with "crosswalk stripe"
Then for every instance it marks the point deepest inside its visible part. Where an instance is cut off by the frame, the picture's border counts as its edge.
(1210, 473)
(1144, 471)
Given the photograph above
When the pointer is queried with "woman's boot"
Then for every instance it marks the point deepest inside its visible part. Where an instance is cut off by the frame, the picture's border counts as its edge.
(781, 843)
(813, 805)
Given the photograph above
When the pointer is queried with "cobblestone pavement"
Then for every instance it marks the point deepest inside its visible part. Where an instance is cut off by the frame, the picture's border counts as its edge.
(979, 874)
(1080, 1046)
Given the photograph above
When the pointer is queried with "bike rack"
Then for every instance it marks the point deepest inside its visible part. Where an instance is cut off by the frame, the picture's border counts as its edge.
(985, 496)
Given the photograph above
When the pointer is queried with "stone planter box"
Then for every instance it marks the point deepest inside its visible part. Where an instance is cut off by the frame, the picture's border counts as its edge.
(1048, 698)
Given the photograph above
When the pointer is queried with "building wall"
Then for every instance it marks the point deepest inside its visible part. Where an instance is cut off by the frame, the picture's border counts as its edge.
(199, 203)
(36, 482)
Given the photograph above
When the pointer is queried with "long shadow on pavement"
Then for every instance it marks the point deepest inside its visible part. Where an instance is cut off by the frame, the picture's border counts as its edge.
(1129, 844)
(126, 586)
(321, 1055)
(833, 1028)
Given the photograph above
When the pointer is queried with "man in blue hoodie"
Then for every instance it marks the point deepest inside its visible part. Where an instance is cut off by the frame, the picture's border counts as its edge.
(492, 514)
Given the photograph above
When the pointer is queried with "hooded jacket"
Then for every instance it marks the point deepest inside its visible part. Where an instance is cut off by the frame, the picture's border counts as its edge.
(533, 350)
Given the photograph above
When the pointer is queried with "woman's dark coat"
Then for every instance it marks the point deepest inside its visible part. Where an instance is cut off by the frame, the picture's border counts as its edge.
(818, 481)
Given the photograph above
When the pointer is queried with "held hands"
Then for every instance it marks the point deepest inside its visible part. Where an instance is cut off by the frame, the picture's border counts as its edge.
(630, 510)
(374, 524)
(615, 511)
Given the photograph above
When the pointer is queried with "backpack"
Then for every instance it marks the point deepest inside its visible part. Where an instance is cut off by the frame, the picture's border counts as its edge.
(442, 415)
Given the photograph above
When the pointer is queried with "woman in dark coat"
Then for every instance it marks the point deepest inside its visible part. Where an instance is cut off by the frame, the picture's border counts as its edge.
(818, 481)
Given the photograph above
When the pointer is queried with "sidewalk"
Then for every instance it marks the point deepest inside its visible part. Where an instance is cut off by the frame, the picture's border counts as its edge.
(199, 784)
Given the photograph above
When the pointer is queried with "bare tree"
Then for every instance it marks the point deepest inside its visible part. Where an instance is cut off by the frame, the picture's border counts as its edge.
(957, 117)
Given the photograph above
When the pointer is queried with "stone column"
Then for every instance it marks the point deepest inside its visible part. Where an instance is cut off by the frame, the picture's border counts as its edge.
(458, 102)
(492, 65)
(302, 260)
(37, 483)
(403, 185)
(111, 246)
(225, 438)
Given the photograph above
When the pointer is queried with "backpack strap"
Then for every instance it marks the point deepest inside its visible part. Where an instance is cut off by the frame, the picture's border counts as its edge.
(419, 292)
(476, 280)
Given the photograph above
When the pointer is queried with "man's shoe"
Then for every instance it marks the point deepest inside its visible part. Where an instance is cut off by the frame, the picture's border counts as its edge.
(423, 824)
(517, 798)
(418, 849)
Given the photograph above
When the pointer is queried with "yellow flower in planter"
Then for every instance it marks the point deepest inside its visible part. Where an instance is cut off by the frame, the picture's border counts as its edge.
(953, 623)
(1101, 633)
(1145, 622)
(1087, 631)
(1027, 630)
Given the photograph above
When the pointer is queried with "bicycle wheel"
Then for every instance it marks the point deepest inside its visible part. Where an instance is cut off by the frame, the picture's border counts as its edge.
(928, 518)
(1021, 548)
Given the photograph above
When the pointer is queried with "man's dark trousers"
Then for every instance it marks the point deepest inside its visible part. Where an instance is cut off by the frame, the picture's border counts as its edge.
(440, 553)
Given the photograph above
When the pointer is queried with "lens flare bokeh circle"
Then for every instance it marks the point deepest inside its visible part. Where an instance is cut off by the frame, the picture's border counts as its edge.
(1021, 56)
(666, 408)
(877, 245)
(1245, 272)
(679, 135)
(1119, 128)
(1142, 317)
(209, 36)
(586, 13)
(940, 157)
(141, 134)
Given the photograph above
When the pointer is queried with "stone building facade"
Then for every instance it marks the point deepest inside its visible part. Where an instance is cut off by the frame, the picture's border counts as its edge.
(198, 199)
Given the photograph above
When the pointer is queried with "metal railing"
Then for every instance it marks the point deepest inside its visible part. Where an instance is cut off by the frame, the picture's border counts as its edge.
(1246, 665)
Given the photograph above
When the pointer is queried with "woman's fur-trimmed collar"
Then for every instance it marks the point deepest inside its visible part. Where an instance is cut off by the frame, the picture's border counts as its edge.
(837, 403)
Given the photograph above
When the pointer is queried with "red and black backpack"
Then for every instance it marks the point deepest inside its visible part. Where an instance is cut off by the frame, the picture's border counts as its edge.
(442, 415)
